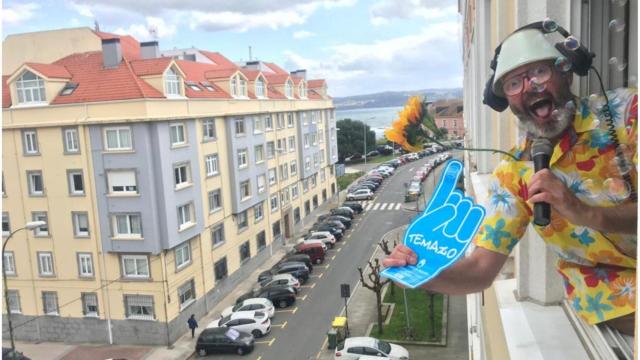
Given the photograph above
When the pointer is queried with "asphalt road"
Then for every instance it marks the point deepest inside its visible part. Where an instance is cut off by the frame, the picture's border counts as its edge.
(299, 332)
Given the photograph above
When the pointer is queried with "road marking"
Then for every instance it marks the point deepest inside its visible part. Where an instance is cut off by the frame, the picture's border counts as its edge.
(263, 341)
(259, 358)
(294, 310)
(304, 297)
(271, 342)
(333, 257)
(398, 206)
(338, 250)
(326, 266)
(279, 325)
(411, 169)
(288, 310)
(308, 286)
(376, 206)
(320, 277)
(383, 206)
(369, 205)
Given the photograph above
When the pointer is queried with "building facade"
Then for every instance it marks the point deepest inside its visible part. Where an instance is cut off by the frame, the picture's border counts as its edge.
(165, 178)
(447, 114)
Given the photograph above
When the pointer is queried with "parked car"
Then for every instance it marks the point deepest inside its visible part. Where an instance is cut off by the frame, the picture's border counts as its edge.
(325, 247)
(314, 251)
(286, 280)
(7, 353)
(335, 223)
(345, 220)
(353, 157)
(337, 233)
(360, 186)
(224, 340)
(324, 236)
(253, 304)
(362, 194)
(373, 153)
(342, 211)
(293, 256)
(255, 323)
(297, 269)
(413, 191)
(378, 172)
(280, 296)
(369, 348)
(355, 206)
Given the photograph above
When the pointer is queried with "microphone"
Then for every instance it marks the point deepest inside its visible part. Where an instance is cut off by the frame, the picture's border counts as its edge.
(541, 151)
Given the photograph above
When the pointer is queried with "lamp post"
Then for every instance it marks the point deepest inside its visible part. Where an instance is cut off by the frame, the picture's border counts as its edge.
(29, 226)
(364, 132)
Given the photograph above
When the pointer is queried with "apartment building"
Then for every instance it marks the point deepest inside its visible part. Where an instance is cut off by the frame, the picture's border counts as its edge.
(165, 178)
(447, 114)
(524, 314)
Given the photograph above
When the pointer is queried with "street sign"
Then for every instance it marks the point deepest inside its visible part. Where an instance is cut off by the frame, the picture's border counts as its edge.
(345, 291)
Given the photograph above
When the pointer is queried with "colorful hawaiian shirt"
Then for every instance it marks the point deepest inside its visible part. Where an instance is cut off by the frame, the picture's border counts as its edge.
(598, 269)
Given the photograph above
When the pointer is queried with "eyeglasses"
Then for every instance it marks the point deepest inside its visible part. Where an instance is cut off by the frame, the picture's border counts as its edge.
(515, 84)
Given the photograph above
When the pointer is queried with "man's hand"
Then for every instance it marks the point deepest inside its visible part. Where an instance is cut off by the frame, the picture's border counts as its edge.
(546, 187)
(400, 256)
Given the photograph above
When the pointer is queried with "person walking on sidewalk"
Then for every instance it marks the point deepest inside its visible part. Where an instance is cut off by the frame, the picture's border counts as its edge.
(193, 324)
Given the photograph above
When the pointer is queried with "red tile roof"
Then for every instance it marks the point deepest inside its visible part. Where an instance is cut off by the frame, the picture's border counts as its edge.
(314, 95)
(272, 93)
(276, 79)
(296, 80)
(250, 74)
(219, 73)
(195, 72)
(150, 66)
(6, 95)
(50, 70)
(316, 83)
(277, 69)
(219, 60)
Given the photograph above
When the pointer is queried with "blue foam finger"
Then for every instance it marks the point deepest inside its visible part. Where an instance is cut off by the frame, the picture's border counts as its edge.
(471, 223)
(448, 180)
(462, 210)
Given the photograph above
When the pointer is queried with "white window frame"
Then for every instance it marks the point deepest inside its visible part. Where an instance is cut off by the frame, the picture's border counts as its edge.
(208, 130)
(137, 274)
(233, 86)
(45, 264)
(271, 150)
(241, 219)
(41, 231)
(215, 230)
(211, 164)
(14, 301)
(119, 131)
(129, 234)
(261, 181)
(268, 122)
(243, 158)
(260, 93)
(85, 265)
(273, 179)
(33, 89)
(292, 143)
(180, 179)
(294, 167)
(53, 300)
(71, 140)
(188, 287)
(186, 216)
(288, 89)
(139, 301)
(7, 219)
(245, 190)
(31, 174)
(177, 134)
(239, 127)
(76, 218)
(290, 121)
(211, 197)
(172, 83)
(258, 212)
(295, 191)
(128, 189)
(9, 263)
(30, 142)
(259, 153)
(273, 203)
(242, 87)
(258, 127)
(72, 184)
(182, 254)
(86, 304)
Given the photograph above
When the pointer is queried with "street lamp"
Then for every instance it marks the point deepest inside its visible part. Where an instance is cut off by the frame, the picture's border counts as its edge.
(29, 226)
(364, 132)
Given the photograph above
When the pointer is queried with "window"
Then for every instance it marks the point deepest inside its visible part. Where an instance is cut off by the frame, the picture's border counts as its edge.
(307, 208)
(282, 145)
(171, 83)
(259, 153)
(307, 163)
(85, 265)
(208, 130)
(234, 86)
(245, 190)
(211, 164)
(290, 120)
(258, 212)
(139, 307)
(14, 301)
(217, 235)
(294, 191)
(220, 269)
(127, 226)
(45, 263)
(284, 172)
(261, 240)
(76, 184)
(80, 224)
(296, 215)
(273, 178)
(44, 229)
(242, 220)
(288, 89)
(36, 184)
(30, 88)
(70, 140)
(323, 175)
(243, 87)
(259, 88)
(268, 122)
(292, 143)
(271, 149)
(181, 175)
(50, 302)
(135, 266)
(280, 121)
(239, 123)
(294, 168)
(207, 85)
(215, 200)
(257, 125)
(275, 229)
(242, 158)
(305, 185)
(122, 182)
(193, 86)
(316, 160)
(6, 225)
(9, 263)
(90, 304)
(183, 255)
(314, 142)
(68, 89)
(314, 180)
(306, 140)
(315, 201)
(305, 119)
(245, 252)
(185, 216)
(262, 180)
(118, 138)
(274, 203)
(177, 134)
(187, 294)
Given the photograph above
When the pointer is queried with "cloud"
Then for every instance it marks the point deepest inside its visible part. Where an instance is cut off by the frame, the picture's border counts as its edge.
(383, 11)
(427, 59)
(155, 28)
(302, 34)
(16, 14)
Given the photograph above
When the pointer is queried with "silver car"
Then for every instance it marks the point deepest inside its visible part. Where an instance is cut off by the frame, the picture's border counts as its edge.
(361, 194)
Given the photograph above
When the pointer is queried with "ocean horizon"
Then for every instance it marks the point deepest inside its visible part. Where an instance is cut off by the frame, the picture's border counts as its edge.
(378, 119)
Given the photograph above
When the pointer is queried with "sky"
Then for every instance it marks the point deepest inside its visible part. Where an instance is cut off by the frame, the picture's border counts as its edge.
(357, 46)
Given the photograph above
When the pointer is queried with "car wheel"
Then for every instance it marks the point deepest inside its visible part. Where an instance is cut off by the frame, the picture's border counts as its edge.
(282, 303)
(318, 261)
(240, 351)
(256, 333)
(202, 352)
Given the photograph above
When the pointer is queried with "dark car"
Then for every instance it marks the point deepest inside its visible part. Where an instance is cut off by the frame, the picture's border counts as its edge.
(279, 295)
(373, 153)
(343, 219)
(355, 206)
(370, 184)
(7, 353)
(293, 256)
(342, 212)
(297, 269)
(337, 233)
(336, 223)
(374, 178)
(224, 340)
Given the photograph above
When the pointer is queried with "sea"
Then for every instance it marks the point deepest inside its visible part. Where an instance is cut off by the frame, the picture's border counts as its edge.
(378, 119)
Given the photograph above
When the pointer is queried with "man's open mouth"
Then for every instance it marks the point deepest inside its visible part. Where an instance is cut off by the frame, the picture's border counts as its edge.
(541, 108)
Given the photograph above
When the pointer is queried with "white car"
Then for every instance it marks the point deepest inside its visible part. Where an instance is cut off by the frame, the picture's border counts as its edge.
(323, 236)
(386, 169)
(364, 348)
(282, 280)
(253, 304)
(362, 194)
(256, 323)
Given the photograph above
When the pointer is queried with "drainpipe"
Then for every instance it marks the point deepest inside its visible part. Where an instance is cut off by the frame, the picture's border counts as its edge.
(165, 297)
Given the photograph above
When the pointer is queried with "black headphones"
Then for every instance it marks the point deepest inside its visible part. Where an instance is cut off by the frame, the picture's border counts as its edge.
(580, 59)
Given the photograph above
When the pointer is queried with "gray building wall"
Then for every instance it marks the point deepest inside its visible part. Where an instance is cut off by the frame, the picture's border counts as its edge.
(303, 152)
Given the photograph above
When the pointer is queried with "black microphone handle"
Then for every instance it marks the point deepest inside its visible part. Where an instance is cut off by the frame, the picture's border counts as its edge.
(541, 210)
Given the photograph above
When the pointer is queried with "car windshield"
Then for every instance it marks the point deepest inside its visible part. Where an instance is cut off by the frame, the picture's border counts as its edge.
(224, 319)
(232, 334)
(384, 346)
(235, 308)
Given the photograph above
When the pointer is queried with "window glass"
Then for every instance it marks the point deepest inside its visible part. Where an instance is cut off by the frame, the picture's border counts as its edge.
(30, 88)
(122, 182)
(135, 266)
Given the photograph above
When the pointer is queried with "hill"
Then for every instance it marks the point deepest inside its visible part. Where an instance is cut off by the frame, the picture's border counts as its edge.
(392, 98)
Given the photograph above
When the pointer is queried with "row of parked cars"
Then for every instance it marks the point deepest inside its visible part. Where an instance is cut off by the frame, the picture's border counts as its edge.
(239, 325)
(414, 189)
(366, 186)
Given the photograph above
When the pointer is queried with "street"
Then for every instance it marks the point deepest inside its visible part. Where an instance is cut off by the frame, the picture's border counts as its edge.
(299, 332)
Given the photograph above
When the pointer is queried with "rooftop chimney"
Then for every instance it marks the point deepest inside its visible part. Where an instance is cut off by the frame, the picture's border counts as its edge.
(149, 50)
(111, 52)
(300, 73)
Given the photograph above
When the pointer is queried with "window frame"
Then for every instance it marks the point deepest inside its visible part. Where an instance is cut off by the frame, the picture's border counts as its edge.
(186, 182)
(71, 173)
(174, 126)
(261, 240)
(259, 159)
(211, 196)
(242, 157)
(14, 294)
(125, 192)
(183, 249)
(85, 304)
(188, 286)
(274, 206)
(9, 257)
(24, 85)
(42, 256)
(30, 177)
(75, 219)
(275, 176)
(245, 185)
(245, 252)
(258, 215)
(209, 130)
(75, 137)
(119, 131)
(5, 215)
(262, 188)
(293, 167)
(217, 265)
(44, 303)
(38, 216)
(140, 299)
(79, 258)
(212, 165)
(242, 221)
(135, 258)
(217, 229)
(181, 216)
(292, 143)
(129, 235)
(239, 127)
(171, 83)
(258, 126)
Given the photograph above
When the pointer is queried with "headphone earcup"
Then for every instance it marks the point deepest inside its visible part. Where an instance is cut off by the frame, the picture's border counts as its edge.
(492, 100)
(581, 59)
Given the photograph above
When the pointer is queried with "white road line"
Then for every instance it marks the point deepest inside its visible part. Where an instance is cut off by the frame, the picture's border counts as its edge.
(411, 169)
(376, 206)
(398, 206)
(383, 206)
(368, 207)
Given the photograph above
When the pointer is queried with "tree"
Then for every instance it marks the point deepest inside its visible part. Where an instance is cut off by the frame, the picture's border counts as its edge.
(351, 138)
(443, 133)
(384, 246)
(376, 284)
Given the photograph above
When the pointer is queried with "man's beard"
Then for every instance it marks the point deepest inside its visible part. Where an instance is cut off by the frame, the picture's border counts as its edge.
(562, 119)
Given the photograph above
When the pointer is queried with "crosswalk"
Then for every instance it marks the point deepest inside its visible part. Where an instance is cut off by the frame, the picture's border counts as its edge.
(371, 205)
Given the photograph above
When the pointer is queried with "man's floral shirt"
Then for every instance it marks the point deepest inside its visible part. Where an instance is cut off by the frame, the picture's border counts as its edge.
(599, 270)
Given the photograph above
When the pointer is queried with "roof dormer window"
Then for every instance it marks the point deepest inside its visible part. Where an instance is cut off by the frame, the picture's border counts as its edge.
(171, 83)
(238, 87)
(234, 86)
(288, 89)
(207, 85)
(303, 90)
(30, 88)
(68, 89)
(260, 93)
(243, 87)
(194, 86)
